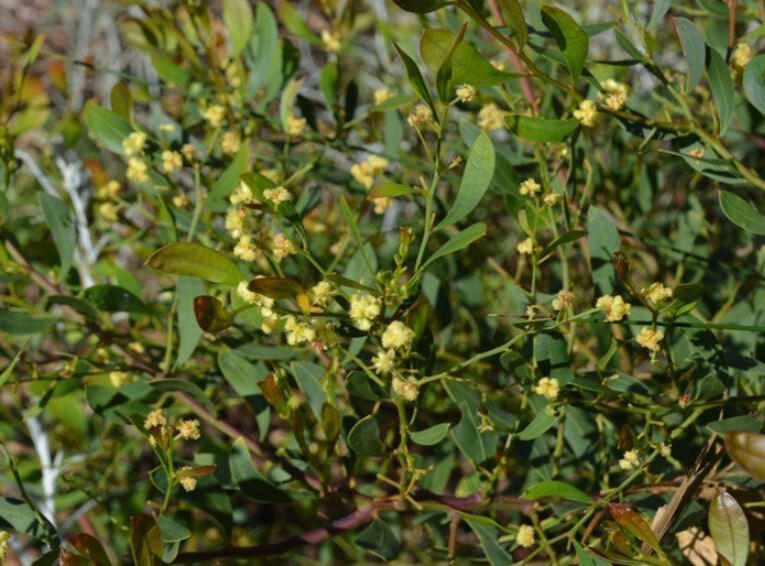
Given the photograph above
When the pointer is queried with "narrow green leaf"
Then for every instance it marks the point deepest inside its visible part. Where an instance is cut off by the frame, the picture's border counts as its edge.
(188, 258)
(602, 240)
(420, 6)
(660, 9)
(566, 238)
(227, 180)
(17, 322)
(458, 242)
(308, 377)
(729, 528)
(121, 100)
(389, 189)
(741, 213)
(541, 423)
(721, 86)
(364, 438)
(237, 15)
(693, 48)
(106, 127)
(113, 298)
(541, 129)
(486, 531)
(189, 332)
(476, 445)
(512, 13)
(415, 78)
(476, 179)
(559, 489)
(430, 436)
(239, 373)
(754, 83)
(59, 219)
(570, 37)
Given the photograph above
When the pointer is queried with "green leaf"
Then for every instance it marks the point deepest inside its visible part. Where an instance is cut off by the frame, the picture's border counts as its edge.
(18, 515)
(171, 530)
(237, 15)
(458, 242)
(59, 220)
(566, 238)
(240, 374)
(430, 436)
(742, 423)
(559, 489)
(512, 13)
(263, 49)
(486, 531)
(660, 9)
(364, 438)
(754, 82)
(289, 94)
(693, 48)
(107, 128)
(420, 6)
(188, 258)
(121, 100)
(602, 240)
(747, 449)
(17, 322)
(474, 444)
(227, 180)
(169, 71)
(570, 37)
(741, 213)
(113, 298)
(543, 422)
(328, 84)
(476, 179)
(294, 22)
(252, 483)
(184, 385)
(467, 64)
(379, 539)
(729, 528)
(541, 129)
(308, 376)
(89, 547)
(189, 332)
(721, 86)
(415, 79)
(389, 189)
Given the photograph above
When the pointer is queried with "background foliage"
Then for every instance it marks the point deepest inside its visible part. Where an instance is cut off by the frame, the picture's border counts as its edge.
(435, 282)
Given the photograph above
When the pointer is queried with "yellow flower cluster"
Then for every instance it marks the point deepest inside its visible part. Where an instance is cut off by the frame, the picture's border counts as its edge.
(231, 143)
(331, 40)
(742, 55)
(617, 94)
(171, 161)
(298, 332)
(277, 195)
(154, 419)
(235, 222)
(526, 247)
(265, 303)
(525, 536)
(563, 300)
(295, 125)
(397, 336)
(188, 429)
(214, 115)
(366, 172)
(614, 307)
(491, 117)
(321, 293)
(108, 211)
(383, 361)
(551, 199)
(137, 170)
(420, 114)
(530, 187)
(119, 378)
(245, 249)
(466, 93)
(656, 293)
(188, 482)
(650, 338)
(548, 387)
(364, 309)
(5, 538)
(134, 143)
(242, 194)
(281, 247)
(109, 190)
(630, 460)
(381, 95)
(407, 389)
(587, 113)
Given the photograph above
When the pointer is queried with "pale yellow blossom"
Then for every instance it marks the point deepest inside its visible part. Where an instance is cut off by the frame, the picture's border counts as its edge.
(154, 419)
(656, 293)
(119, 378)
(630, 460)
(137, 170)
(363, 310)
(245, 249)
(587, 113)
(526, 246)
(109, 190)
(742, 55)
(188, 429)
(231, 142)
(405, 388)
(188, 483)
(420, 114)
(277, 195)
(242, 194)
(108, 211)
(295, 125)
(214, 115)
(530, 187)
(235, 222)
(298, 332)
(381, 95)
(466, 93)
(281, 247)
(171, 161)
(134, 143)
(397, 336)
(548, 388)
(331, 40)
(650, 338)
(551, 199)
(321, 293)
(563, 300)
(383, 361)
(491, 117)
(614, 307)
(525, 536)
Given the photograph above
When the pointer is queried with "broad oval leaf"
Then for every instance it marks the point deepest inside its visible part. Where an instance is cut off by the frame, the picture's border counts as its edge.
(188, 258)
(559, 489)
(237, 15)
(430, 436)
(210, 314)
(479, 171)
(276, 287)
(539, 425)
(541, 129)
(721, 86)
(729, 528)
(693, 48)
(108, 128)
(747, 449)
(364, 438)
(570, 37)
(741, 213)
(754, 83)
(379, 539)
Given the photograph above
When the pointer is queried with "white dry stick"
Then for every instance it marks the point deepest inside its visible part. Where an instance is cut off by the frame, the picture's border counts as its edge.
(86, 253)
(49, 469)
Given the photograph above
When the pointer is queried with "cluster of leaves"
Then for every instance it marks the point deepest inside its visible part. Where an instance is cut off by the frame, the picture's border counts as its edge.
(437, 281)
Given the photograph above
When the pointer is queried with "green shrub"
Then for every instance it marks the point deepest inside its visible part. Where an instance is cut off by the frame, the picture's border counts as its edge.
(434, 282)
